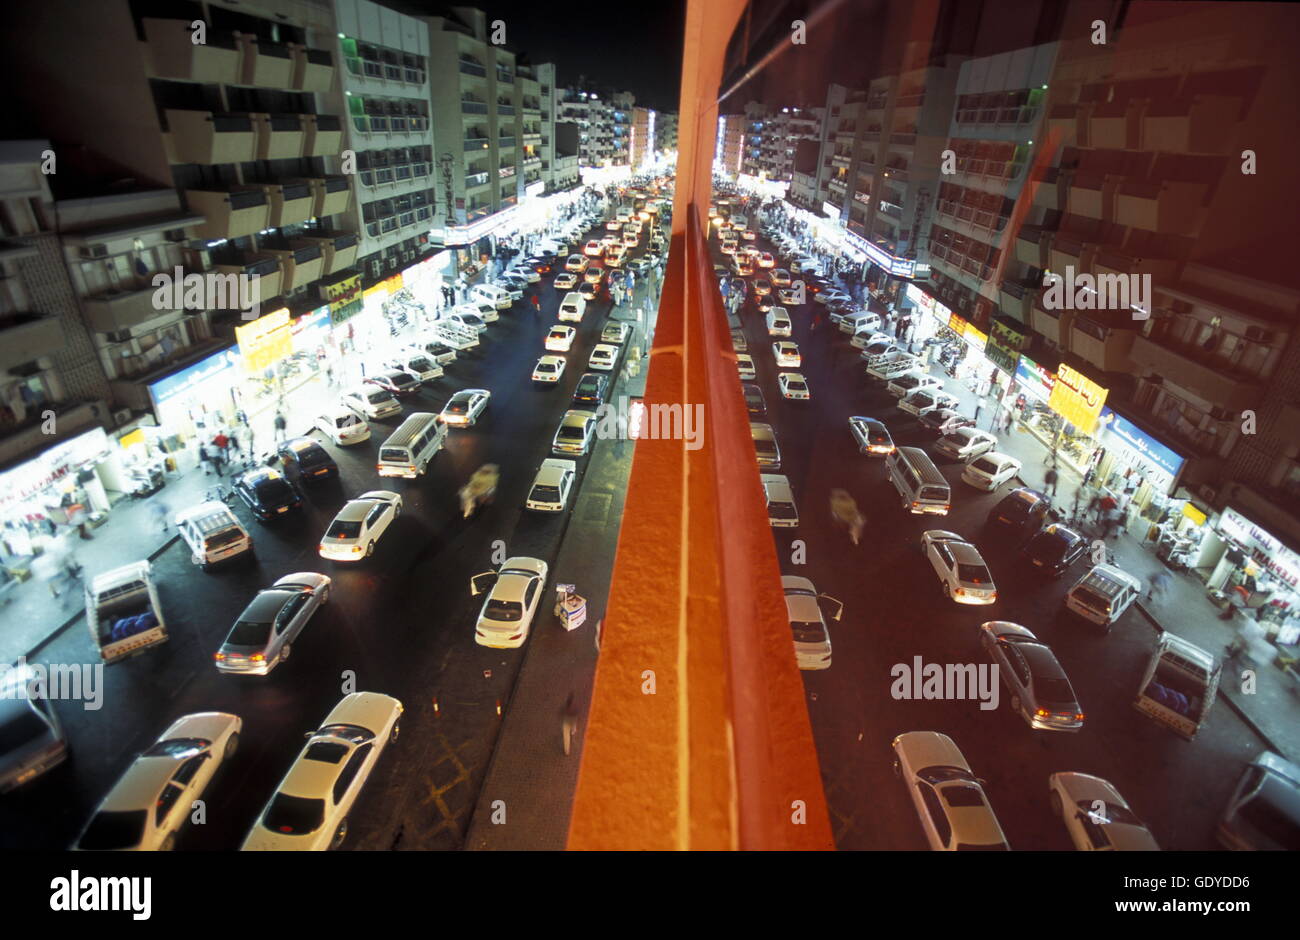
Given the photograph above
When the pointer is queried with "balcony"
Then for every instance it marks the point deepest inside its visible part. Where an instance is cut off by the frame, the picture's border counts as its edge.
(1112, 261)
(322, 135)
(1107, 349)
(1206, 377)
(1065, 121)
(279, 136)
(1189, 126)
(173, 54)
(1069, 251)
(25, 337)
(207, 138)
(476, 180)
(1052, 325)
(1015, 300)
(897, 173)
(266, 64)
(1087, 197)
(1108, 127)
(837, 186)
(477, 143)
(1168, 208)
(506, 109)
(229, 213)
(840, 160)
(532, 139)
(301, 263)
(1049, 189)
(290, 201)
(472, 68)
(263, 271)
(504, 143)
(123, 308)
(906, 139)
(473, 107)
(1031, 246)
(313, 69)
(330, 195)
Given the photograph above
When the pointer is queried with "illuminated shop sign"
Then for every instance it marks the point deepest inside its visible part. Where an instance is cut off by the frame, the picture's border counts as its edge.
(1077, 398)
(1137, 439)
(1003, 346)
(1034, 380)
(1264, 549)
(180, 383)
(899, 267)
(266, 340)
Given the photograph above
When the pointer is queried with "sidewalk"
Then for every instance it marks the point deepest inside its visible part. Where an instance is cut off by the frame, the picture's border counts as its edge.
(1273, 708)
(529, 769)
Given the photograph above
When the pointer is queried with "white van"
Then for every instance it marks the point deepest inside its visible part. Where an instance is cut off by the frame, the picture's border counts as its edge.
(1103, 594)
(918, 481)
(860, 323)
(778, 322)
(213, 533)
(572, 307)
(408, 452)
(781, 510)
(497, 297)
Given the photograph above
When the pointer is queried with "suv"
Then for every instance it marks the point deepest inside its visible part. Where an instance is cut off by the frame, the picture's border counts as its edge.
(1054, 549)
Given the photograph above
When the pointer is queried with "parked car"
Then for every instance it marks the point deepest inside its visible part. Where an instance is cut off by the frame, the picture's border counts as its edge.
(154, 800)
(754, 402)
(871, 436)
(264, 633)
(309, 810)
(576, 431)
(990, 470)
(745, 366)
(615, 333)
(552, 485)
(603, 357)
(1054, 549)
(548, 370)
(966, 443)
(924, 401)
(590, 391)
(267, 492)
(793, 386)
(32, 741)
(1096, 817)
(417, 364)
(1022, 511)
(342, 425)
(508, 611)
(1263, 813)
(963, 575)
(371, 402)
(304, 460)
(949, 799)
(914, 380)
(945, 421)
(465, 407)
(812, 642)
(765, 446)
(359, 525)
(1040, 691)
(787, 355)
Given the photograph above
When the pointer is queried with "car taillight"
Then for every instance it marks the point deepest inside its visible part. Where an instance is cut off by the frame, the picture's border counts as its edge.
(960, 592)
(219, 657)
(1041, 713)
(993, 595)
(258, 657)
(1078, 716)
(915, 504)
(320, 547)
(516, 636)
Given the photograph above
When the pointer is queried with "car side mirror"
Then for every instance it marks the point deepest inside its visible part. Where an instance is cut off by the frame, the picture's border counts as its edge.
(481, 582)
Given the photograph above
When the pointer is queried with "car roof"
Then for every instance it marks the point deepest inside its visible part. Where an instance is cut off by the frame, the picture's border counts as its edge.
(266, 604)
(965, 553)
(355, 510)
(1042, 661)
(575, 417)
(552, 469)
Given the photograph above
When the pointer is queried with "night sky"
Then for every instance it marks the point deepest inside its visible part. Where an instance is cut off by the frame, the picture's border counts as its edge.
(628, 45)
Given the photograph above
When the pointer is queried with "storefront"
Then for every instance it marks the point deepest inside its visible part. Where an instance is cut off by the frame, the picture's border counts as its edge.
(1260, 574)
(198, 396)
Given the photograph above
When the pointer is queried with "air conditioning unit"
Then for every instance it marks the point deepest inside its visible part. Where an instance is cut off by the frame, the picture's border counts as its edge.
(92, 252)
(376, 268)
(408, 255)
(121, 417)
(175, 235)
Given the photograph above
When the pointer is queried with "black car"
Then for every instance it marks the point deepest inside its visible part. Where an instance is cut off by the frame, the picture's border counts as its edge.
(267, 492)
(304, 459)
(1022, 512)
(540, 264)
(754, 402)
(1054, 549)
(590, 390)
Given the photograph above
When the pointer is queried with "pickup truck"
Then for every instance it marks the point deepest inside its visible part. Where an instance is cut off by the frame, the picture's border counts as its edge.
(1179, 685)
(123, 613)
(454, 335)
(891, 366)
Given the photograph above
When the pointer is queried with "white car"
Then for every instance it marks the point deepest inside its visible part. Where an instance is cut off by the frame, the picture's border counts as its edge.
(603, 357)
(949, 798)
(342, 425)
(614, 255)
(782, 513)
(575, 433)
(552, 485)
(418, 365)
(576, 263)
(560, 338)
(1097, 818)
(787, 355)
(309, 811)
(508, 611)
(613, 225)
(470, 321)
(263, 634)
(924, 401)
(766, 448)
(549, 369)
(465, 407)
(765, 259)
(566, 280)
(155, 797)
(912, 381)
(990, 470)
(872, 436)
(631, 240)
(593, 249)
(812, 644)
(371, 402)
(615, 333)
(793, 386)
(779, 277)
(778, 322)
(745, 366)
(572, 308)
(966, 443)
(963, 575)
(873, 344)
(359, 524)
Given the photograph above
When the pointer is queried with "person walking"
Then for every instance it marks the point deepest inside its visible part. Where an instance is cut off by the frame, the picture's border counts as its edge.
(1157, 585)
(569, 725)
(280, 425)
(161, 511)
(1007, 421)
(1049, 481)
(205, 458)
(537, 306)
(218, 460)
(979, 404)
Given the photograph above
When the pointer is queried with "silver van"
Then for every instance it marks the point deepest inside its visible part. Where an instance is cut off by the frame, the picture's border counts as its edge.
(213, 533)
(918, 481)
(408, 452)
(1103, 594)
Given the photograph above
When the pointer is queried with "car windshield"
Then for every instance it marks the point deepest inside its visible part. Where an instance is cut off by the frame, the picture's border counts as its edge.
(113, 830)
(421, 364)
(294, 815)
(224, 537)
(249, 633)
(765, 447)
(505, 611)
(1054, 693)
(273, 491)
(21, 727)
(1013, 507)
(546, 494)
(808, 631)
(795, 385)
(1109, 813)
(933, 492)
(457, 406)
(1090, 598)
(378, 396)
(963, 795)
(974, 574)
(545, 367)
(568, 432)
(341, 529)
(782, 511)
(178, 748)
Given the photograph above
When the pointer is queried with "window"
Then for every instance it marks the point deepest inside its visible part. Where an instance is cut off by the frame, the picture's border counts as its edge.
(350, 771)
(166, 800)
(938, 818)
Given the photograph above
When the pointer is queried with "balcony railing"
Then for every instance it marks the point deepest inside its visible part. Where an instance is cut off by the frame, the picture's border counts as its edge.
(472, 68)
(473, 180)
(473, 107)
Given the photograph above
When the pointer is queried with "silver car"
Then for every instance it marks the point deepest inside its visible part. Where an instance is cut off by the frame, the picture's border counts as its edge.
(262, 636)
(1040, 691)
(31, 739)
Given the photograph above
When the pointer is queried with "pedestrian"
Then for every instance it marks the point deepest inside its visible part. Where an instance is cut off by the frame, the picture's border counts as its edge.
(160, 512)
(46, 567)
(979, 404)
(1007, 421)
(205, 458)
(1111, 524)
(570, 723)
(218, 460)
(221, 442)
(1050, 479)
(1156, 586)
(280, 425)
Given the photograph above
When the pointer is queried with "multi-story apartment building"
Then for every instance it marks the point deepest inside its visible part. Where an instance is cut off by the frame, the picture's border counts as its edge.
(752, 138)
(731, 138)
(641, 143)
(621, 107)
(781, 131)
(665, 131)
(566, 174)
(559, 165)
